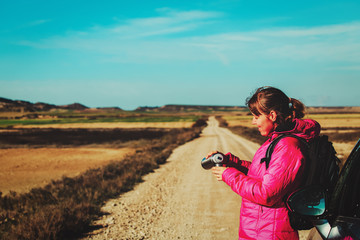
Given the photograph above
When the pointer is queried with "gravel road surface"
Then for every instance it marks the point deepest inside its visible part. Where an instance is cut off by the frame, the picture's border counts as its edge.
(180, 200)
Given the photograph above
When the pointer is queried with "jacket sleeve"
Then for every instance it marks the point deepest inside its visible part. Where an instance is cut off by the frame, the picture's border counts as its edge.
(283, 175)
(235, 162)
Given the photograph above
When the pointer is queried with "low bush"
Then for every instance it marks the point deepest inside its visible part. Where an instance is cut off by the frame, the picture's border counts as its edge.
(347, 136)
(201, 122)
(250, 133)
(39, 137)
(222, 122)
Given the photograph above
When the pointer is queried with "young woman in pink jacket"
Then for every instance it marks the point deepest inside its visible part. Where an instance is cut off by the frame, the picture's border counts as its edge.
(263, 214)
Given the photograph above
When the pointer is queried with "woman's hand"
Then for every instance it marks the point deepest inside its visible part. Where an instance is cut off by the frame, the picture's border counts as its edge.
(218, 171)
(211, 153)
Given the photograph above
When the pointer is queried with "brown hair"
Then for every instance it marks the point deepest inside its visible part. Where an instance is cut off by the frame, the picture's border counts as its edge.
(267, 99)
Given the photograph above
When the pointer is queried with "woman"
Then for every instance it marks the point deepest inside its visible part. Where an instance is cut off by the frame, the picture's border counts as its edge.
(263, 213)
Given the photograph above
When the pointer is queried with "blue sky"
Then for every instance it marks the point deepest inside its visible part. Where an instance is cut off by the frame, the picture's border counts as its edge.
(151, 53)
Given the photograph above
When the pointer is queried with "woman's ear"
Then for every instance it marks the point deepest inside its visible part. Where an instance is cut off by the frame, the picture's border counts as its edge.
(272, 115)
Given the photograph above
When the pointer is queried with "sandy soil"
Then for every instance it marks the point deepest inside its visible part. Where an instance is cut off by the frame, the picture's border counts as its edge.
(23, 168)
(180, 200)
(113, 125)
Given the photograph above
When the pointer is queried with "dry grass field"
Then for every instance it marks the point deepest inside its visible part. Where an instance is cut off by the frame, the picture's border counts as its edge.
(28, 166)
(25, 168)
(72, 171)
(34, 155)
(113, 125)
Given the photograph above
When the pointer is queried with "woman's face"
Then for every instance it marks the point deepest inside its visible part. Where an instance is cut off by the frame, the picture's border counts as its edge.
(265, 123)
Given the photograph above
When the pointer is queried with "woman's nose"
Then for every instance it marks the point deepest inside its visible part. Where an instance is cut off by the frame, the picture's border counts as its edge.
(253, 122)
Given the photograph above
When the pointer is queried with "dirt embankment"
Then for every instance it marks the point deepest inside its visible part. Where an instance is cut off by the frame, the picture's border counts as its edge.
(180, 200)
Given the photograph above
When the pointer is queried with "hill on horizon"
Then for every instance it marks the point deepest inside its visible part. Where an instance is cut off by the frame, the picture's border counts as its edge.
(8, 105)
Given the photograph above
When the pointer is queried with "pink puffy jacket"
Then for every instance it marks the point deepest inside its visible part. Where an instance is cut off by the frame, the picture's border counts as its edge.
(263, 214)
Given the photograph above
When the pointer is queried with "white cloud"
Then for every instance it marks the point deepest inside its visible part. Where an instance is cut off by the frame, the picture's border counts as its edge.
(171, 22)
(175, 35)
(38, 22)
(347, 68)
(329, 30)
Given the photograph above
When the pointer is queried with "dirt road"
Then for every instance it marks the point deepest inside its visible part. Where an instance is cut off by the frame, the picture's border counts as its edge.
(180, 200)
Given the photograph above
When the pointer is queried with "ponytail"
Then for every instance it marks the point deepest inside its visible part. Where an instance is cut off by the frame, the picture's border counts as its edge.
(297, 107)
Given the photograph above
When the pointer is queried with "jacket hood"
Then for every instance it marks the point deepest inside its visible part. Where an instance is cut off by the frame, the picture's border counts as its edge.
(304, 128)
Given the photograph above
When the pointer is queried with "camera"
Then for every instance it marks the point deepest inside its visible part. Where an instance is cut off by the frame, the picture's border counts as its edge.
(216, 159)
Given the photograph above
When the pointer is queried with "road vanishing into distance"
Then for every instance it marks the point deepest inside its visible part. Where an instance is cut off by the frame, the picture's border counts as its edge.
(180, 200)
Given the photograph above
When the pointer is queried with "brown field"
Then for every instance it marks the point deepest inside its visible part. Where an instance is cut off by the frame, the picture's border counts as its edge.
(113, 125)
(26, 168)
(66, 150)
(33, 156)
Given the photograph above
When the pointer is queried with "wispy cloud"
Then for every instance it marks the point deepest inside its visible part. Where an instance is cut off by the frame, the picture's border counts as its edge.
(138, 39)
(170, 22)
(328, 30)
(37, 22)
(347, 68)
(180, 35)
(325, 43)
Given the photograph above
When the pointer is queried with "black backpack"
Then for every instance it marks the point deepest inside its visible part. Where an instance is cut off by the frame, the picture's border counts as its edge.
(322, 168)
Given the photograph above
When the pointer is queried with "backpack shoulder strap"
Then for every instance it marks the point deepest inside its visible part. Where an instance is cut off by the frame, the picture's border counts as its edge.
(272, 145)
